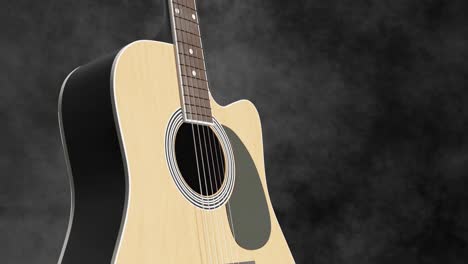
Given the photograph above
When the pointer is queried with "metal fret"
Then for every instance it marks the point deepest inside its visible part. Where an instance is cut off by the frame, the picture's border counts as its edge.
(197, 106)
(185, 12)
(198, 93)
(186, 72)
(197, 96)
(187, 27)
(195, 83)
(186, 3)
(186, 15)
(195, 53)
(188, 38)
(189, 56)
(188, 97)
(187, 30)
(196, 90)
(192, 62)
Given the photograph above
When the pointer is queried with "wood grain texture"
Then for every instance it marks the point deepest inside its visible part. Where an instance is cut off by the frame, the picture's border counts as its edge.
(161, 226)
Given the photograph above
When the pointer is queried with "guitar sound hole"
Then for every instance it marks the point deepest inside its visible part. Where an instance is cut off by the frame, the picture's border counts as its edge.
(200, 158)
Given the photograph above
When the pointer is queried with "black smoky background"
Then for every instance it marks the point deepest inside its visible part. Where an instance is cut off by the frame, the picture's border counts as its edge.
(363, 103)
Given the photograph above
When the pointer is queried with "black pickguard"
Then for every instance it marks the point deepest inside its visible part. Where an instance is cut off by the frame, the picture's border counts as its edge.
(251, 224)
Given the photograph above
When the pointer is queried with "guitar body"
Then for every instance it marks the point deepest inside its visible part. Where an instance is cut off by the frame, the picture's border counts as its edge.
(127, 208)
(151, 186)
(161, 226)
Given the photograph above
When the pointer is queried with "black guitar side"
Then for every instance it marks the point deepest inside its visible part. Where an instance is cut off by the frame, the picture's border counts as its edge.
(94, 160)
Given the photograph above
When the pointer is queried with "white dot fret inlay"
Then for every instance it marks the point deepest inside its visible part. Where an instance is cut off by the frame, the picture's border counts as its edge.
(194, 17)
(194, 73)
(191, 51)
(177, 10)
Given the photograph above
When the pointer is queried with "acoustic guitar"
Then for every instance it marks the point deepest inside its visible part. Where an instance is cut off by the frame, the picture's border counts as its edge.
(159, 172)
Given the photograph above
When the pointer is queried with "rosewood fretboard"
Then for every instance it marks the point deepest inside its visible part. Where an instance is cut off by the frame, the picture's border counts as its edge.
(191, 61)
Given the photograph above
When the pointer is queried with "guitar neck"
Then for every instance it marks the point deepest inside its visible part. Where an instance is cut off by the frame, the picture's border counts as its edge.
(193, 81)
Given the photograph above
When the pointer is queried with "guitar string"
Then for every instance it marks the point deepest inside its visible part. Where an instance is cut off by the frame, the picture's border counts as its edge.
(219, 150)
(205, 159)
(218, 173)
(210, 176)
(208, 209)
(211, 152)
(206, 239)
(206, 189)
(206, 150)
(212, 213)
(207, 249)
(208, 128)
(201, 190)
(213, 175)
(205, 170)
